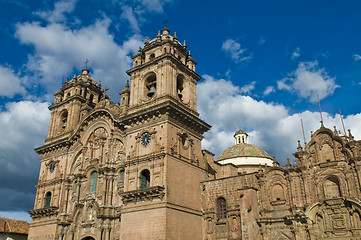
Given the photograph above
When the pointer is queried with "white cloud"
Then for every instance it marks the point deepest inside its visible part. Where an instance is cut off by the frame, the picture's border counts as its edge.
(308, 81)
(269, 90)
(129, 14)
(356, 57)
(155, 5)
(134, 11)
(22, 121)
(234, 49)
(261, 41)
(296, 53)
(59, 50)
(269, 125)
(23, 126)
(10, 82)
(60, 9)
(247, 89)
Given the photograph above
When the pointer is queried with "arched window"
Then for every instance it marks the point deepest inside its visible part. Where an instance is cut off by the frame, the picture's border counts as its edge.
(221, 208)
(319, 221)
(277, 193)
(52, 166)
(332, 188)
(150, 85)
(64, 119)
(93, 181)
(121, 176)
(47, 199)
(88, 238)
(152, 56)
(145, 179)
(180, 86)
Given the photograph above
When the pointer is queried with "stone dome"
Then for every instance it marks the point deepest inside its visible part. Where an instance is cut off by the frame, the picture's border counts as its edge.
(243, 150)
(243, 153)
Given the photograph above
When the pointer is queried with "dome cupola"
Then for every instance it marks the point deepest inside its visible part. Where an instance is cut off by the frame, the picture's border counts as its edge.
(244, 155)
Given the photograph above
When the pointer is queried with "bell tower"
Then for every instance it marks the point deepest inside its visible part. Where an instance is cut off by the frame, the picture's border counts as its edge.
(72, 102)
(165, 164)
(164, 71)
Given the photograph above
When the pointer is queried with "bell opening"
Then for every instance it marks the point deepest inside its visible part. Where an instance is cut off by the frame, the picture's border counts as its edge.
(180, 81)
(150, 86)
(151, 91)
(180, 95)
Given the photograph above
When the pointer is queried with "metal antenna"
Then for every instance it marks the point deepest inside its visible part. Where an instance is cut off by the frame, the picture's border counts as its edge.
(303, 131)
(319, 104)
(343, 125)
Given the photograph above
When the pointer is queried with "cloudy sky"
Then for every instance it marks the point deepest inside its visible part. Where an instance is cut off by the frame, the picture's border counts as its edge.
(262, 63)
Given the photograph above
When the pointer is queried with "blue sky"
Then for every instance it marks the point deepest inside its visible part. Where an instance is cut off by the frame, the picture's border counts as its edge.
(262, 65)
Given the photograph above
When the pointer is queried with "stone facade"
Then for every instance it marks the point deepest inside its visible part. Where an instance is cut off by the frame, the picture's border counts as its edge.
(317, 198)
(135, 169)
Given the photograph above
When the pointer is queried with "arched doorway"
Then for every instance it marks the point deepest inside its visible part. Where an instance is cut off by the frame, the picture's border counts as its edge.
(88, 238)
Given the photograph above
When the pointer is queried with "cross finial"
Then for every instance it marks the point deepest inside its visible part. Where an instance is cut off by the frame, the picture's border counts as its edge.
(165, 22)
(104, 93)
(86, 63)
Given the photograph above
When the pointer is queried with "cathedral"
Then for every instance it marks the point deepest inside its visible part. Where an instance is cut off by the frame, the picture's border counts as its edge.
(136, 169)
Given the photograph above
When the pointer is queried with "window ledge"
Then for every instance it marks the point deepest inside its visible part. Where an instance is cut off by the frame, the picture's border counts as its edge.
(142, 194)
(43, 212)
(278, 202)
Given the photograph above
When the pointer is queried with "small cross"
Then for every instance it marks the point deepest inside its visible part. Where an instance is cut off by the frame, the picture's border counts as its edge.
(104, 93)
(165, 22)
(86, 63)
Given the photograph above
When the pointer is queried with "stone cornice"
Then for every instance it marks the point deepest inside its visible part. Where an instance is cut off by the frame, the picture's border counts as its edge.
(52, 182)
(73, 83)
(66, 101)
(43, 212)
(142, 194)
(171, 57)
(53, 146)
(144, 158)
(171, 109)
